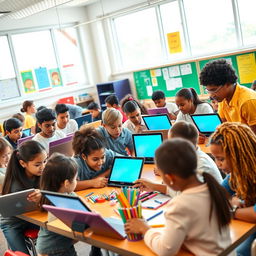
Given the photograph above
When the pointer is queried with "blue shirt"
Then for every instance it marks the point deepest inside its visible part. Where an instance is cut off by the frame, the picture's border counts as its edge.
(86, 173)
(119, 144)
(13, 143)
(74, 111)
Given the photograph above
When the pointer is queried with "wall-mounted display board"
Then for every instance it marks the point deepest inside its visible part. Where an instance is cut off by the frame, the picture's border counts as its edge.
(169, 79)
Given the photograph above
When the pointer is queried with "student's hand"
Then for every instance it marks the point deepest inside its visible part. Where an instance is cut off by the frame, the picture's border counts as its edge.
(35, 196)
(172, 116)
(156, 172)
(138, 128)
(237, 201)
(138, 226)
(144, 185)
(100, 182)
(201, 138)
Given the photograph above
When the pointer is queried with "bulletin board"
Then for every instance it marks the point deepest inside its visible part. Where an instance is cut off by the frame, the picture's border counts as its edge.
(169, 79)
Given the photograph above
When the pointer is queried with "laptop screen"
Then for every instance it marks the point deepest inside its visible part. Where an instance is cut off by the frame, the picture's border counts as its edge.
(84, 120)
(157, 122)
(27, 132)
(126, 170)
(65, 201)
(206, 123)
(145, 145)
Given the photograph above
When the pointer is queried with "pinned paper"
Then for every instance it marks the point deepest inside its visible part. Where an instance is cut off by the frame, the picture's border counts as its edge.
(173, 83)
(174, 71)
(174, 42)
(165, 73)
(154, 81)
(185, 69)
(28, 81)
(152, 73)
(158, 72)
(246, 68)
(149, 90)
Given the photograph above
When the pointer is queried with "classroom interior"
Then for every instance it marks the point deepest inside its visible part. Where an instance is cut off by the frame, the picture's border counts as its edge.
(145, 45)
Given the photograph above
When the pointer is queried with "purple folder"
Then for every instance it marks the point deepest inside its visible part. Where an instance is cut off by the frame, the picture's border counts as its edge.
(157, 111)
(63, 146)
(78, 220)
(21, 140)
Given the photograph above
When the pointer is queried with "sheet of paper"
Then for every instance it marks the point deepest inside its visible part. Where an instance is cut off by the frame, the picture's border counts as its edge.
(154, 81)
(165, 73)
(174, 71)
(173, 83)
(185, 69)
(246, 68)
(158, 72)
(152, 73)
(149, 90)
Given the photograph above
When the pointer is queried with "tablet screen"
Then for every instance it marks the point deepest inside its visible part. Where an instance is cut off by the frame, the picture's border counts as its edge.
(158, 122)
(206, 123)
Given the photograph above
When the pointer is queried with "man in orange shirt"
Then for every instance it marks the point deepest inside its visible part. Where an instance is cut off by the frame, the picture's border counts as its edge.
(237, 103)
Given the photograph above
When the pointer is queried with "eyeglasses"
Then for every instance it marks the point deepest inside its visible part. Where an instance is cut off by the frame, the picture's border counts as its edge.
(214, 91)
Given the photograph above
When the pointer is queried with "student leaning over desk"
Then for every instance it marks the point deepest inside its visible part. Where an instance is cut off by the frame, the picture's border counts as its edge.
(237, 103)
(198, 217)
(234, 147)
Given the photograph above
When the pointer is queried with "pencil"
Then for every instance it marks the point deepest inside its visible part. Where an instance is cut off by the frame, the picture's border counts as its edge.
(157, 226)
(88, 194)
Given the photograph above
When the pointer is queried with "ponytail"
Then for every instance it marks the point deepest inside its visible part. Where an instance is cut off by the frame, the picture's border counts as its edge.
(129, 104)
(219, 201)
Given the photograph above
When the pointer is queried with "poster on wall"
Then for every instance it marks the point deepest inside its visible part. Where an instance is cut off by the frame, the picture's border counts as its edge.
(42, 79)
(174, 42)
(70, 74)
(28, 81)
(55, 76)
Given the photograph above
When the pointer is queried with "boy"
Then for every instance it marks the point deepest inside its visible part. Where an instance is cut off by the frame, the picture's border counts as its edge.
(65, 124)
(13, 130)
(112, 102)
(94, 109)
(236, 103)
(159, 99)
(46, 121)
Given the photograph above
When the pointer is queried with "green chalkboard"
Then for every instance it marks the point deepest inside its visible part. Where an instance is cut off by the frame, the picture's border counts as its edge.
(169, 79)
(233, 61)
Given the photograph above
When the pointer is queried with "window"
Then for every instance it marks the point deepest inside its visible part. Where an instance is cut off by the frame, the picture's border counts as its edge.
(210, 25)
(138, 38)
(247, 19)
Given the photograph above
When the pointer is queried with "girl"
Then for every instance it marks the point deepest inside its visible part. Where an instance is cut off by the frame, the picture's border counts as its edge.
(234, 147)
(93, 159)
(188, 103)
(23, 172)
(198, 217)
(59, 175)
(117, 138)
(133, 112)
(5, 153)
(29, 108)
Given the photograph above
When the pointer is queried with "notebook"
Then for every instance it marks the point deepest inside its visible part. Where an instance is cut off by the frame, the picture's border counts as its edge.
(27, 131)
(157, 111)
(79, 220)
(16, 203)
(21, 140)
(125, 170)
(157, 122)
(145, 145)
(63, 146)
(83, 120)
(206, 123)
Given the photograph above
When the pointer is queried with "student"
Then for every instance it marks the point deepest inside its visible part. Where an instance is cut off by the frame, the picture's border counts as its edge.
(23, 172)
(46, 121)
(253, 86)
(94, 161)
(234, 147)
(5, 153)
(159, 99)
(236, 103)
(134, 123)
(60, 175)
(188, 103)
(65, 124)
(129, 97)
(75, 111)
(117, 138)
(198, 218)
(29, 108)
(112, 102)
(205, 163)
(13, 130)
(20, 117)
(95, 111)
(214, 104)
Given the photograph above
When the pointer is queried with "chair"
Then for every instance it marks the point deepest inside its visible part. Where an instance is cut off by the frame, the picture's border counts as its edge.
(30, 240)
(12, 253)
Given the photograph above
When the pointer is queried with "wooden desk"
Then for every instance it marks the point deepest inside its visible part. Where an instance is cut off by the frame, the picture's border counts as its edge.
(36, 217)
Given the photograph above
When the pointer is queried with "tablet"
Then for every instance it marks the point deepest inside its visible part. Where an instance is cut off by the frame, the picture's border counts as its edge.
(83, 120)
(66, 201)
(157, 122)
(16, 203)
(157, 111)
(206, 123)
(63, 146)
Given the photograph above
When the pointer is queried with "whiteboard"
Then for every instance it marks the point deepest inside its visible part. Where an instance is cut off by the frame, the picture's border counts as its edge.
(9, 89)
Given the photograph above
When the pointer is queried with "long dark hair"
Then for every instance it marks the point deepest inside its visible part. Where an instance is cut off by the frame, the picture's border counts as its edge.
(15, 172)
(178, 156)
(26, 104)
(189, 94)
(129, 105)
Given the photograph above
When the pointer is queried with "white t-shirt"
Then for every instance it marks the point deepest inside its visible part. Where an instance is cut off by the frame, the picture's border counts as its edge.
(172, 107)
(203, 108)
(71, 127)
(129, 125)
(45, 141)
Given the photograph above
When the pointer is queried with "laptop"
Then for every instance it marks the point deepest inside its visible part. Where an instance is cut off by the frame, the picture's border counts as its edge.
(164, 133)
(157, 111)
(83, 120)
(63, 146)
(21, 140)
(145, 145)
(125, 170)
(16, 203)
(206, 123)
(27, 131)
(157, 122)
(72, 208)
